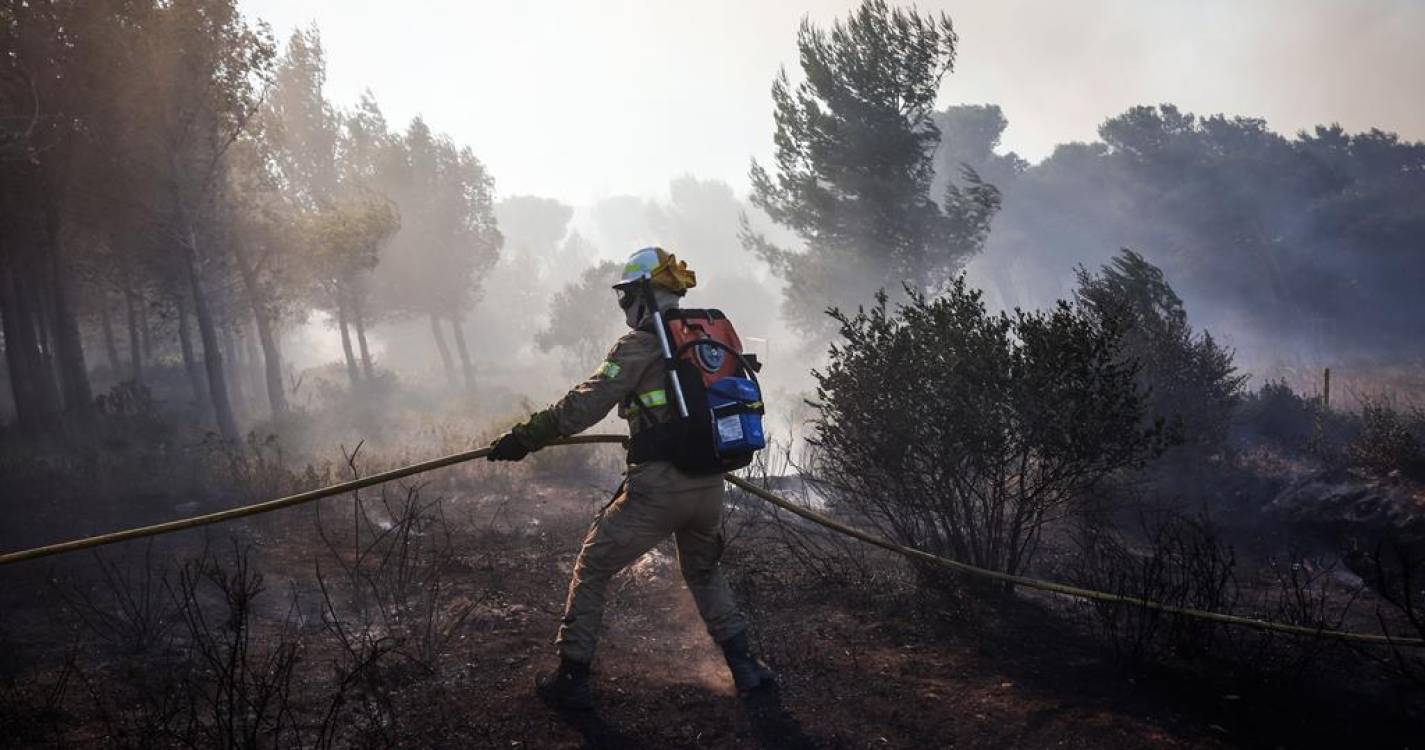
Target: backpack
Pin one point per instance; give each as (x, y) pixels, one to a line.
(723, 429)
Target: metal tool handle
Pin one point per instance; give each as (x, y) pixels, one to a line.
(662, 333)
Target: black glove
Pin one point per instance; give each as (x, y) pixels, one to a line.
(507, 448)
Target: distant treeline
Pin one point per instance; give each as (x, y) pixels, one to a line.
(1311, 245)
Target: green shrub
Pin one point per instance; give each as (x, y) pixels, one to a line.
(1390, 439)
(962, 433)
(1188, 378)
(1277, 413)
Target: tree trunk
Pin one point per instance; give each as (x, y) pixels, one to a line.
(131, 312)
(37, 304)
(36, 405)
(212, 352)
(106, 326)
(341, 323)
(40, 309)
(190, 360)
(145, 329)
(466, 367)
(21, 386)
(233, 372)
(444, 351)
(20, 390)
(249, 356)
(69, 350)
(262, 315)
(359, 319)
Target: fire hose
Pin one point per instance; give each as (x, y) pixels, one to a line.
(742, 484)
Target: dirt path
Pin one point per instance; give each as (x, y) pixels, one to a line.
(849, 678)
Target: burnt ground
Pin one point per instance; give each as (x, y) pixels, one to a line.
(879, 668)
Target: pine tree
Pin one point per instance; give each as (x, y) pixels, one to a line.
(855, 144)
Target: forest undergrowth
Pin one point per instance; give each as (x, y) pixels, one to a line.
(369, 620)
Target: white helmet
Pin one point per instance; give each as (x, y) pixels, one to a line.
(659, 265)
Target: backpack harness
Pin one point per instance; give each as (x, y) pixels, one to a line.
(718, 424)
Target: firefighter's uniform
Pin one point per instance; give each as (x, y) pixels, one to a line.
(657, 500)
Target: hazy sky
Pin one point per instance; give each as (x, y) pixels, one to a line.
(580, 100)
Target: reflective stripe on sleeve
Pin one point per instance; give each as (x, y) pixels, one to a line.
(654, 398)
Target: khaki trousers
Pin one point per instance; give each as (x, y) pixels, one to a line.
(658, 500)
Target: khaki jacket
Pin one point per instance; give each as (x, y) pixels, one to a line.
(632, 377)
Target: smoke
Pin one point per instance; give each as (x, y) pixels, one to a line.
(1059, 68)
(601, 119)
(580, 102)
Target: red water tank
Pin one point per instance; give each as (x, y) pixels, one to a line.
(690, 325)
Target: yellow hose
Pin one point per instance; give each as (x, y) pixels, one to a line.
(810, 515)
(277, 504)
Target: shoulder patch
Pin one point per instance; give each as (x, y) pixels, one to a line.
(609, 369)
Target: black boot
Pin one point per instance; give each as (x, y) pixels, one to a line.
(566, 686)
(748, 672)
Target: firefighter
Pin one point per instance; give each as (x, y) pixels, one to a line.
(656, 500)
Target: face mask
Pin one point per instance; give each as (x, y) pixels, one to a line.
(635, 309)
(634, 314)
(629, 300)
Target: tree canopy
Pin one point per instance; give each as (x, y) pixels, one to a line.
(166, 169)
(854, 164)
(1296, 244)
